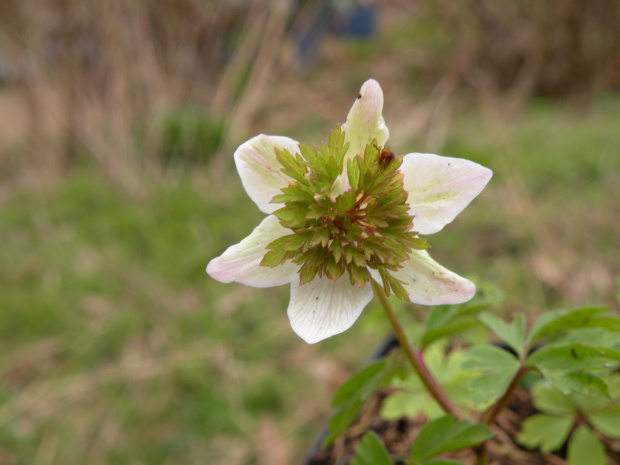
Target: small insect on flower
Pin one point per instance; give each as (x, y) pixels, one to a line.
(386, 156)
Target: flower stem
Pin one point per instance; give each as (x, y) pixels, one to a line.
(415, 357)
(491, 414)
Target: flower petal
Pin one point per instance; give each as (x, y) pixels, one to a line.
(429, 283)
(241, 262)
(440, 188)
(321, 308)
(260, 171)
(365, 121)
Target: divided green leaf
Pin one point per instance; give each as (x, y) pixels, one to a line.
(548, 432)
(273, 258)
(498, 367)
(359, 382)
(411, 404)
(412, 398)
(371, 451)
(549, 399)
(601, 336)
(511, 333)
(445, 434)
(575, 367)
(607, 420)
(291, 166)
(558, 321)
(350, 397)
(353, 173)
(585, 447)
(445, 320)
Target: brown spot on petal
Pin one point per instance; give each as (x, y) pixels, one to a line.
(359, 95)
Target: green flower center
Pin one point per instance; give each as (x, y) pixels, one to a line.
(336, 230)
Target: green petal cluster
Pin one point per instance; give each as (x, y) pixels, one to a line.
(337, 230)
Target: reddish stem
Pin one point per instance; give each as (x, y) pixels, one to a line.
(491, 414)
(415, 357)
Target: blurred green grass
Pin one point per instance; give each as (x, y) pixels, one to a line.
(118, 348)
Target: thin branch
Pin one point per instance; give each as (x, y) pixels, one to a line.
(491, 414)
(415, 357)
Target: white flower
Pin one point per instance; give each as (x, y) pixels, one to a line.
(438, 188)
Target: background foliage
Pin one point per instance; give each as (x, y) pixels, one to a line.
(118, 123)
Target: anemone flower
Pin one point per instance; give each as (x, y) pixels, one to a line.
(345, 213)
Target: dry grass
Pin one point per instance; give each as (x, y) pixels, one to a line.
(116, 347)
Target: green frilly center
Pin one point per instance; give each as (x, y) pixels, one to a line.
(336, 230)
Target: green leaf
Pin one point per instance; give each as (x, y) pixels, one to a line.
(549, 399)
(348, 254)
(410, 404)
(342, 419)
(345, 202)
(443, 462)
(445, 320)
(279, 243)
(454, 327)
(598, 401)
(353, 173)
(357, 383)
(334, 270)
(333, 168)
(545, 431)
(609, 322)
(602, 336)
(290, 166)
(584, 383)
(412, 397)
(418, 243)
(292, 215)
(273, 258)
(352, 394)
(570, 367)
(585, 448)
(337, 250)
(445, 434)
(307, 272)
(385, 279)
(315, 212)
(573, 356)
(371, 451)
(511, 333)
(607, 420)
(295, 242)
(336, 139)
(358, 275)
(561, 320)
(490, 358)
(498, 367)
(293, 192)
(397, 289)
(309, 155)
(321, 236)
(575, 367)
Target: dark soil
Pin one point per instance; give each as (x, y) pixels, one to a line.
(398, 437)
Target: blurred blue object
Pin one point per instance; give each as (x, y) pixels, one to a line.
(360, 21)
(309, 35)
(354, 19)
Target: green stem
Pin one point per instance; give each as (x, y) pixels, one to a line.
(415, 356)
(491, 414)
